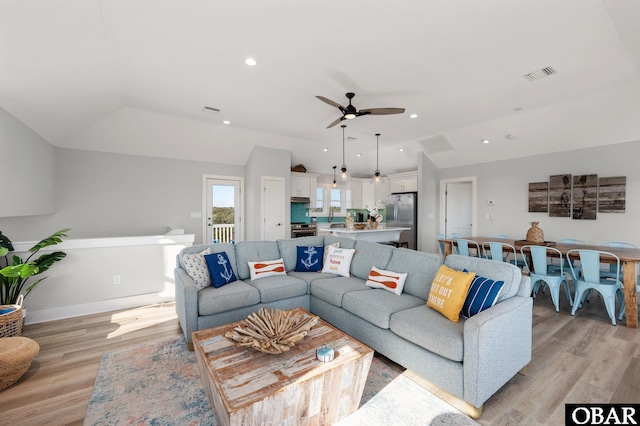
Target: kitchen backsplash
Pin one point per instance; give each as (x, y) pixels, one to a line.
(299, 214)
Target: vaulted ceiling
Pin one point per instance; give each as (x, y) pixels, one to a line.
(133, 77)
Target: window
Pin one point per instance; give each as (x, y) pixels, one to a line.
(328, 197)
(318, 201)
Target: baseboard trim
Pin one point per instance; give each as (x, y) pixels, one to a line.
(63, 312)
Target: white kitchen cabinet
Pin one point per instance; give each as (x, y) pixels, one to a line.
(368, 194)
(354, 194)
(404, 182)
(303, 184)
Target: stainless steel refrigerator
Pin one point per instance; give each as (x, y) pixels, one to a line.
(402, 211)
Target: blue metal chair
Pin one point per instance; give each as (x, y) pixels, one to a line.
(463, 247)
(440, 243)
(590, 279)
(501, 236)
(497, 250)
(611, 273)
(553, 267)
(539, 272)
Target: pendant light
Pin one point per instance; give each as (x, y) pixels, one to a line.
(334, 175)
(344, 174)
(377, 176)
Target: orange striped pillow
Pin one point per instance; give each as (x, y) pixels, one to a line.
(388, 280)
(266, 268)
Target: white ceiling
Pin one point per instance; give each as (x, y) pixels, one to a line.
(133, 76)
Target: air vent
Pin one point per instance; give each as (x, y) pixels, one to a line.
(537, 75)
(210, 109)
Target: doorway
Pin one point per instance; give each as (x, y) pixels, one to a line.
(273, 208)
(458, 206)
(223, 209)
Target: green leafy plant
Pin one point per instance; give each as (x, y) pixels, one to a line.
(15, 272)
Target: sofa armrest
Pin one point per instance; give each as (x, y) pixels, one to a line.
(497, 344)
(186, 302)
(525, 287)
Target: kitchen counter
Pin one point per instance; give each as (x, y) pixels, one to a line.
(375, 235)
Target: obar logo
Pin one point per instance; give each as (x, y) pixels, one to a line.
(601, 414)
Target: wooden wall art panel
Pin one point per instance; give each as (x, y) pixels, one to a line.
(585, 197)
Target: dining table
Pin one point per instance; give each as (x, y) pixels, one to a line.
(629, 258)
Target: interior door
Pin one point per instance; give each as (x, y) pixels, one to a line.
(273, 209)
(459, 209)
(223, 210)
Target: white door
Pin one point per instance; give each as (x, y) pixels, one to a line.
(223, 209)
(273, 208)
(459, 205)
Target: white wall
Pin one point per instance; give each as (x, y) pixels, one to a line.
(428, 190)
(111, 195)
(264, 162)
(26, 170)
(507, 182)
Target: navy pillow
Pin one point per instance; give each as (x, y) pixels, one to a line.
(309, 259)
(483, 293)
(220, 269)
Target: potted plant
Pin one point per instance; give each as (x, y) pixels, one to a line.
(15, 272)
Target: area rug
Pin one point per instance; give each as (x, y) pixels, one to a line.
(159, 384)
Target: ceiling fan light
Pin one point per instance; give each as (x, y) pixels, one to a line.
(350, 116)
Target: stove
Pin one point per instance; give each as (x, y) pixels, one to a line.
(301, 229)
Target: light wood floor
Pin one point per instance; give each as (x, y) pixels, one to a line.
(575, 359)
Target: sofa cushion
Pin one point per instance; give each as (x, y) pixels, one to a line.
(420, 267)
(449, 291)
(220, 269)
(331, 290)
(376, 306)
(279, 287)
(237, 294)
(338, 261)
(253, 251)
(369, 254)
(428, 329)
(344, 242)
(309, 258)
(499, 271)
(386, 280)
(310, 277)
(288, 251)
(266, 268)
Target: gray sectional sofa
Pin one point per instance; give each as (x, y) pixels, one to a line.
(471, 359)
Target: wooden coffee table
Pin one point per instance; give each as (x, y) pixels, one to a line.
(247, 387)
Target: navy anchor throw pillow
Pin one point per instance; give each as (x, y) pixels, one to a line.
(309, 259)
(220, 269)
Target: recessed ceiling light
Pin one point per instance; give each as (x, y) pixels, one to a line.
(413, 116)
(226, 122)
(510, 136)
(485, 141)
(401, 149)
(517, 109)
(326, 149)
(359, 155)
(250, 61)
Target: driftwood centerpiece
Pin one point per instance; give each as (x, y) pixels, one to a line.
(271, 330)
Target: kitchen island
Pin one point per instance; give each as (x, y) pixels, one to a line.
(378, 235)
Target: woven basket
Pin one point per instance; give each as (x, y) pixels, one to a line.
(16, 355)
(11, 323)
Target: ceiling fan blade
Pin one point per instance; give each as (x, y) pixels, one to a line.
(335, 122)
(330, 102)
(382, 111)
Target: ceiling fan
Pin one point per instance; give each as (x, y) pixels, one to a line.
(349, 112)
